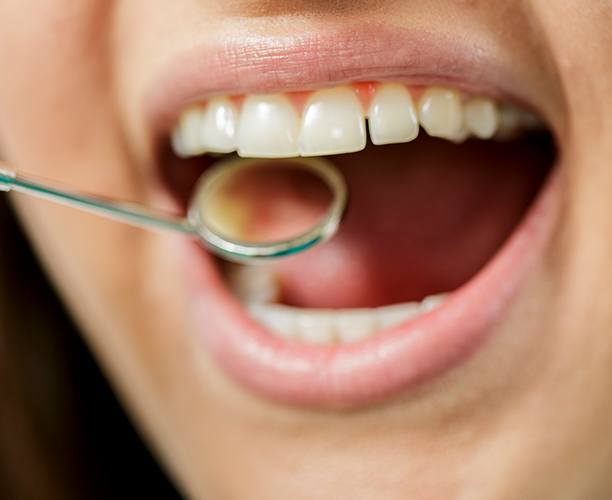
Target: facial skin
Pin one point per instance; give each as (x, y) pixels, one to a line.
(527, 421)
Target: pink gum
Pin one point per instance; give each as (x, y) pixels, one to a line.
(365, 92)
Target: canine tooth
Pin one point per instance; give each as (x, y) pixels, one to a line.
(482, 117)
(355, 325)
(392, 316)
(253, 284)
(269, 128)
(441, 113)
(218, 127)
(333, 123)
(316, 327)
(189, 132)
(279, 319)
(392, 116)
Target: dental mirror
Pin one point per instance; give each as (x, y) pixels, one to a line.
(242, 210)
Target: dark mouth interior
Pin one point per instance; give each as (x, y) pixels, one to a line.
(424, 218)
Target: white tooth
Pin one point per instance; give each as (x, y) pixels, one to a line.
(431, 303)
(269, 128)
(316, 327)
(253, 284)
(392, 316)
(392, 116)
(279, 319)
(482, 117)
(461, 136)
(218, 127)
(333, 123)
(189, 132)
(355, 325)
(177, 144)
(441, 113)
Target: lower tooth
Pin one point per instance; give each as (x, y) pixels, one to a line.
(279, 319)
(392, 316)
(258, 288)
(328, 326)
(355, 325)
(317, 328)
(432, 303)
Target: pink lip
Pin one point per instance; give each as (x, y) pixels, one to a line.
(386, 364)
(394, 361)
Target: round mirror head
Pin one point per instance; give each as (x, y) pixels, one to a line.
(248, 210)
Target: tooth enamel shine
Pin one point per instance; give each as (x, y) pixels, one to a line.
(441, 113)
(392, 118)
(333, 123)
(269, 128)
(218, 128)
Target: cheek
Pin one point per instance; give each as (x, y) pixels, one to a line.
(53, 68)
(57, 121)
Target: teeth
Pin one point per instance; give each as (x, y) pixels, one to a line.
(278, 319)
(218, 128)
(441, 113)
(329, 326)
(391, 316)
(355, 325)
(392, 117)
(482, 117)
(188, 137)
(316, 328)
(269, 128)
(333, 123)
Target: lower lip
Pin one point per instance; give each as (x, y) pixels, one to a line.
(383, 366)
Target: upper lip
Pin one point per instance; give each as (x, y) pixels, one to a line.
(265, 64)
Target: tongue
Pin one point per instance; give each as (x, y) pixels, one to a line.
(423, 219)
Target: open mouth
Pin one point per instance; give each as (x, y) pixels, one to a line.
(448, 191)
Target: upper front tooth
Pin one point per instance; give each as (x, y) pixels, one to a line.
(269, 127)
(392, 116)
(218, 127)
(333, 123)
(482, 117)
(441, 113)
